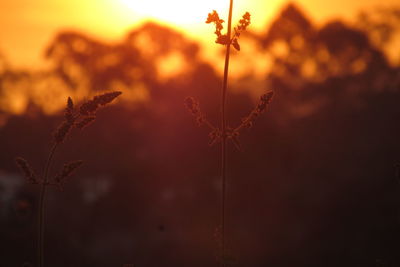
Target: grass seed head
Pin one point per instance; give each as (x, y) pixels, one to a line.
(91, 106)
(214, 18)
(242, 26)
(67, 170)
(106, 98)
(26, 170)
(192, 105)
(69, 111)
(62, 131)
(85, 122)
(265, 99)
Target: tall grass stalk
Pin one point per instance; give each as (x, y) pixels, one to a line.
(42, 202)
(73, 118)
(225, 133)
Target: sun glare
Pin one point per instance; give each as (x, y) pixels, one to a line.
(176, 11)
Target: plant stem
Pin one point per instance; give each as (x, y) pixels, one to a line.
(42, 202)
(224, 133)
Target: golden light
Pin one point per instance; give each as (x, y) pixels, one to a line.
(176, 11)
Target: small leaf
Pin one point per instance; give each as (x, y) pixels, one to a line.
(236, 44)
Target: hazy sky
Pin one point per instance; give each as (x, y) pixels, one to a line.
(28, 25)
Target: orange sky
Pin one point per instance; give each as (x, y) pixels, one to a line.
(28, 25)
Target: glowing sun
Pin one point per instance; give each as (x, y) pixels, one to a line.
(176, 11)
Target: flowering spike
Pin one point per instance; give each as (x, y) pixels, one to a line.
(247, 122)
(106, 98)
(69, 111)
(62, 131)
(91, 106)
(26, 170)
(214, 18)
(85, 122)
(265, 99)
(88, 107)
(67, 170)
(242, 26)
(194, 107)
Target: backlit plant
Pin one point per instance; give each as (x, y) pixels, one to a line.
(225, 132)
(73, 118)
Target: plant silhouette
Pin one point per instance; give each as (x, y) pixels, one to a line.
(325, 186)
(225, 132)
(73, 118)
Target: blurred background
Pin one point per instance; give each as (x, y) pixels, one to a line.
(315, 185)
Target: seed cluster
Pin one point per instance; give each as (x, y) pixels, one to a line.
(248, 121)
(85, 116)
(72, 118)
(194, 107)
(67, 170)
(232, 134)
(91, 106)
(27, 170)
(223, 39)
(216, 134)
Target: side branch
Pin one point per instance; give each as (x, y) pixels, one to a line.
(248, 121)
(194, 107)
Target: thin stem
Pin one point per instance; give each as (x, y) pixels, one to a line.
(224, 134)
(42, 202)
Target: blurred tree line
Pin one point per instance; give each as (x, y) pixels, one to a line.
(315, 185)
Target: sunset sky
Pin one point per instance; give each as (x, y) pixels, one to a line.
(195, 163)
(28, 26)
